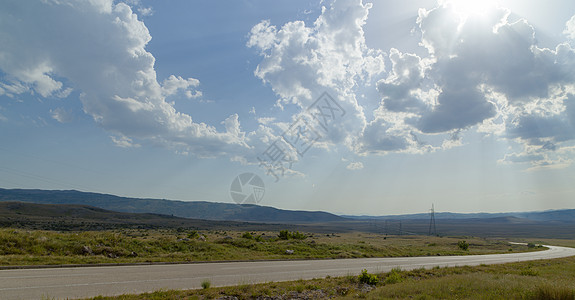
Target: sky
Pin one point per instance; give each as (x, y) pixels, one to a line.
(347, 106)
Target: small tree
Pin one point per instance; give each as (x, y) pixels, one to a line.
(296, 235)
(463, 245)
(283, 235)
(368, 278)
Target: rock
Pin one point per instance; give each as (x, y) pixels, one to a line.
(366, 288)
(202, 238)
(342, 290)
(289, 251)
(87, 250)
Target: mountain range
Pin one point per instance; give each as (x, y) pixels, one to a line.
(255, 213)
(184, 209)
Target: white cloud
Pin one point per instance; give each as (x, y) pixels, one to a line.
(301, 62)
(173, 84)
(570, 28)
(13, 88)
(266, 120)
(62, 115)
(124, 142)
(482, 72)
(355, 166)
(98, 48)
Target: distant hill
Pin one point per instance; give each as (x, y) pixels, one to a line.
(66, 217)
(185, 209)
(563, 215)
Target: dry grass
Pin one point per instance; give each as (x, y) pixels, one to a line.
(34, 247)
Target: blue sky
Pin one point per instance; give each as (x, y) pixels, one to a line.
(469, 105)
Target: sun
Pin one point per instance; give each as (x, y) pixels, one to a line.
(473, 7)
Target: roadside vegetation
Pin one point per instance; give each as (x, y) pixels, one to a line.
(543, 279)
(37, 247)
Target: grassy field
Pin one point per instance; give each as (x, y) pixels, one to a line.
(543, 279)
(37, 247)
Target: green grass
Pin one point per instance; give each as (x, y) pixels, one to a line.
(552, 279)
(35, 247)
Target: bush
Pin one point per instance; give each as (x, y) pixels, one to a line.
(394, 276)
(368, 278)
(529, 272)
(283, 235)
(247, 235)
(193, 234)
(296, 235)
(530, 245)
(206, 284)
(463, 245)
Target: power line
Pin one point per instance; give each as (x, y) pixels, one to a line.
(432, 229)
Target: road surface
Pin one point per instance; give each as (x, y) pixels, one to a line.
(115, 280)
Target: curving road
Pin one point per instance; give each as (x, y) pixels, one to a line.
(93, 281)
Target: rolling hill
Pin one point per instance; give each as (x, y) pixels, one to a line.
(74, 210)
(185, 209)
(72, 217)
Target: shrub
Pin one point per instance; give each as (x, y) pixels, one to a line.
(247, 235)
(529, 272)
(283, 235)
(530, 245)
(206, 284)
(394, 276)
(296, 235)
(463, 245)
(368, 278)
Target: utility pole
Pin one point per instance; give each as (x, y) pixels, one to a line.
(385, 227)
(432, 229)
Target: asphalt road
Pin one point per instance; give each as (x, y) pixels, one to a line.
(93, 281)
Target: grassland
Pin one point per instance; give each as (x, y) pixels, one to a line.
(544, 279)
(38, 247)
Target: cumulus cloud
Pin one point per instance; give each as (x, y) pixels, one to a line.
(173, 84)
(483, 72)
(99, 48)
(570, 28)
(301, 62)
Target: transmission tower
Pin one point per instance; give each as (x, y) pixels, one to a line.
(432, 229)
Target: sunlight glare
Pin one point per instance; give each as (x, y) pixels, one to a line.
(470, 7)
